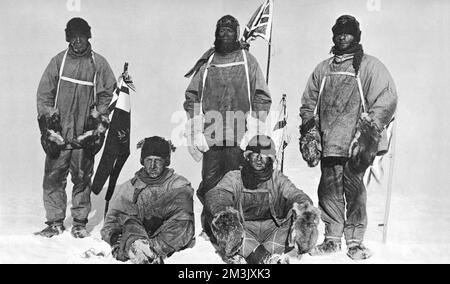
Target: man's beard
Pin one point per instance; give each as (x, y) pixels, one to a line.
(225, 47)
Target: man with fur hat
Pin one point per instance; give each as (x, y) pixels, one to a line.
(72, 100)
(258, 214)
(227, 85)
(151, 216)
(349, 100)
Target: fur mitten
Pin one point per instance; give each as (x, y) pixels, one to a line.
(229, 232)
(94, 136)
(364, 146)
(310, 142)
(141, 253)
(51, 139)
(304, 233)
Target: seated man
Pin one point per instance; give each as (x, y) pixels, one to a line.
(258, 213)
(151, 216)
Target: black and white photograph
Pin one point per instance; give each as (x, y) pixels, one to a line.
(225, 132)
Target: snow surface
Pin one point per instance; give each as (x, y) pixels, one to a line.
(161, 46)
(418, 229)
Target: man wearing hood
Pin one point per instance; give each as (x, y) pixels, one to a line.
(348, 101)
(257, 213)
(72, 100)
(151, 216)
(227, 85)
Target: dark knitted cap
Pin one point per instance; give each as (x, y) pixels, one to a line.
(228, 21)
(77, 25)
(262, 144)
(347, 24)
(156, 146)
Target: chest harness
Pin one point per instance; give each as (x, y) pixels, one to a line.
(225, 65)
(358, 80)
(76, 81)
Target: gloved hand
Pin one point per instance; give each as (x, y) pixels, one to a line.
(363, 149)
(115, 245)
(97, 122)
(254, 127)
(304, 234)
(141, 253)
(310, 142)
(197, 144)
(92, 139)
(229, 232)
(51, 140)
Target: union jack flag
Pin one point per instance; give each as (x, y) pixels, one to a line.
(260, 24)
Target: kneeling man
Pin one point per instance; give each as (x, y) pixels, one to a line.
(151, 216)
(258, 213)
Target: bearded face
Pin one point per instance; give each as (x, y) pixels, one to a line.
(226, 40)
(343, 41)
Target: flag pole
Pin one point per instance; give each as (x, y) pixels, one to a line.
(284, 117)
(268, 57)
(389, 185)
(269, 49)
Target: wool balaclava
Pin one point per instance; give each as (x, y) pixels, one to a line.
(77, 25)
(349, 25)
(230, 22)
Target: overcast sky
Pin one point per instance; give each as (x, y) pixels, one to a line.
(162, 39)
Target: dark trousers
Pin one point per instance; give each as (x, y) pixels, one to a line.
(342, 200)
(80, 167)
(218, 161)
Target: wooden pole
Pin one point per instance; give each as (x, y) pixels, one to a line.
(269, 50)
(268, 58)
(389, 185)
(284, 117)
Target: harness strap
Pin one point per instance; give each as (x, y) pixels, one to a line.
(75, 81)
(363, 101)
(358, 80)
(59, 77)
(322, 85)
(86, 83)
(248, 78)
(245, 63)
(227, 64)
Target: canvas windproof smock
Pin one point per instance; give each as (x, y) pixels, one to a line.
(265, 211)
(342, 194)
(76, 89)
(230, 83)
(160, 212)
(340, 100)
(68, 84)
